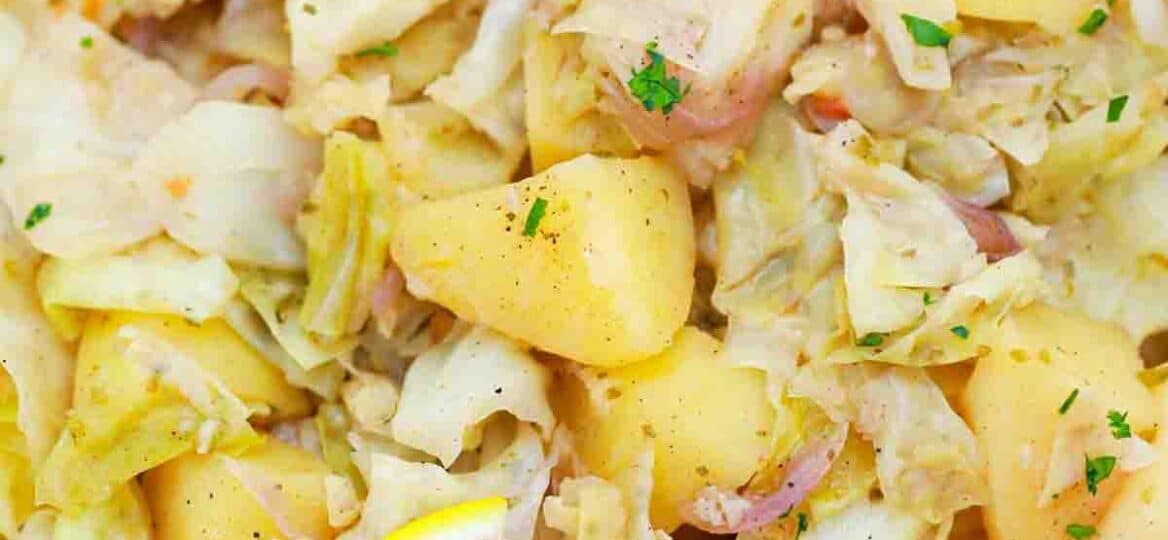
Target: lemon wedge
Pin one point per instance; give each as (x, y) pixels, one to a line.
(474, 520)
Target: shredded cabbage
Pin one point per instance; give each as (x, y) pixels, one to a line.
(237, 195)
(592, 508)
(159, 277)
(401, 490)
(277, 298)
(965, 165)
(346, 228)
(928, 462)
(919, 66)
(436, 152)
(871, 520)
(453, 387)
(479, 86)
(74, 122)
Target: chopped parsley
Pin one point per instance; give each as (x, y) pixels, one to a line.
(653, 86)
(926, 33)
(538, 209)
(871, 339)
(1080, 532)
(1098, 470)
(1115, 108)
(309, 9)
(385, 50)
(929, 300)
(1093, 22)
(802, 525)
(1066, 406)
(960, 331)
(86, 42)
(1120, 429)
(39, 213)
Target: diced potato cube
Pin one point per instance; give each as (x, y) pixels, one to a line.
(605, 277)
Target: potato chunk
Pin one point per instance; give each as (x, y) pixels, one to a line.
(604, 277)
(1140, 509)
(271, 491)
(1013, 401)
(707, 421)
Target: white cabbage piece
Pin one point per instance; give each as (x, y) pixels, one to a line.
(254, 30)
(592, 508)
(1150, 18)
(159, 277)
(1080, 433)
(346, 226)
(277, 297)
(336, 100)
(919, 66)
(967, 166)
(12, 44)
(1109, 265)
(228, 179)
(872, 521)
(928, 462)
(38, 365)
(321, 34)
(76, 117)
(436, 152)
(452, 388)
(977, 304)
(401, 490)
(371, 400)
(1003, 103)
(344, 507)
(899, 235)
(485, 84)
(1090, 151)
(323, 380)
(765, 199)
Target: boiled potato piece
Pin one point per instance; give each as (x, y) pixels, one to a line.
(562, 121)
(707, 422)
(1013, 400)
(1062, 16)
(271, 491)
(128, 417)
(605, 278)
(1141, 508)
(225, 355)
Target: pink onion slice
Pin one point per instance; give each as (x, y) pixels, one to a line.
(991, 233)
(805, 469)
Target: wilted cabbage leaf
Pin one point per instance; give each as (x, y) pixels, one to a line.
(346, 227)
(453, 387)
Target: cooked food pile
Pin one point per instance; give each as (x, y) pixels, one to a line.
(584, 269)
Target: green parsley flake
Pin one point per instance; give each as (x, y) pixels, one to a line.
(926, 33)
(1066, 406)
(1115, 108)
(309, 9)
(1093, 22)
(871, 339)
(1080, 532)
(538, 209)
(802, 525)
(653, 86)
(1098, 470)
(960, 331)
(929, 299)
(1120, 429)
(39, 213)
(86, 42)
(385, 50)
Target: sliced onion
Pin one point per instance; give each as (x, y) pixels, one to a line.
(738, 513)
(988, 229)
(234, 83)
